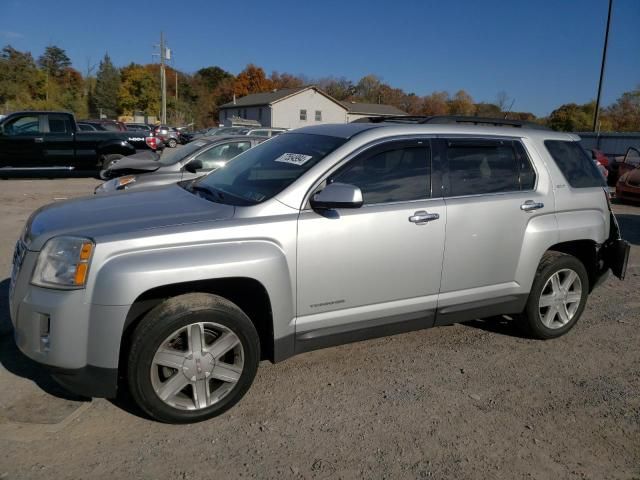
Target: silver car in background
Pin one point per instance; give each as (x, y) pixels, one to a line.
(186, 163)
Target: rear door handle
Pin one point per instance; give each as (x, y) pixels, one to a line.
(421, 217)
(530, 205)
(38, 140)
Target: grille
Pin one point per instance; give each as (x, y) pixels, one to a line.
(18, 258)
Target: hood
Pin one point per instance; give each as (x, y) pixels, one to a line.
(146, 161)
(121, 213)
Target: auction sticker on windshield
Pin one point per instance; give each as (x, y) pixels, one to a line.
(293, 158)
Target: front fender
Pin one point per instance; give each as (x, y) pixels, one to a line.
(123, 277)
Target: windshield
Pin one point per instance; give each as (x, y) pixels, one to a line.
(264, 171)
(174, 155)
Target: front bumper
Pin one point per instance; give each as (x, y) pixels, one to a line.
(77, 341)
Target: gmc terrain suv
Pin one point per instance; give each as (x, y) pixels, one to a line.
(321, 236)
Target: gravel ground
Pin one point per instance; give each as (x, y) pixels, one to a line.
(467, 401)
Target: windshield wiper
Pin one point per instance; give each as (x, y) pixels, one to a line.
(210, 193)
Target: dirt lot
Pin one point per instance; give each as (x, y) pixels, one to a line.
(467, 401)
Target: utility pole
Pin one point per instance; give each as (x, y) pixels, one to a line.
(596, 114)
(163, 81)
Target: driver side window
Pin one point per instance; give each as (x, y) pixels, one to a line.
(217, 156)
(388, 174)
(28, 125)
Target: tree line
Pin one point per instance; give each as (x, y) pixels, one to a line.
(50, 82)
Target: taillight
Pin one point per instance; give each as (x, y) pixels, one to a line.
(152, 142)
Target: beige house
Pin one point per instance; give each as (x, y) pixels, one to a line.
(298, 107)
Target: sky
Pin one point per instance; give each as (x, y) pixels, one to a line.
(543, 53)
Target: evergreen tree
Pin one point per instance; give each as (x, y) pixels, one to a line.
(54, 60)
(104, 98)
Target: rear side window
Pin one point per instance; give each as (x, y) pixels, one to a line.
(578, 169)
(59, 124)
(479, 167)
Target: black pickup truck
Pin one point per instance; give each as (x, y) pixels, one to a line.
(50, 141)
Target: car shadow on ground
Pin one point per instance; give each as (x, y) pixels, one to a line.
(630, 226)
(16, 362)
(500, 324)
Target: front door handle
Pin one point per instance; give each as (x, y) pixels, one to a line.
(38, 140)
(530, 205)
(421, 217)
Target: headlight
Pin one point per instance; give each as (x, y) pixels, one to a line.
(122, 182)
(63, 263)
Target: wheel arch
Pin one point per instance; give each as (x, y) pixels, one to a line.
(248, 294)
(586, 251)
(114, 146)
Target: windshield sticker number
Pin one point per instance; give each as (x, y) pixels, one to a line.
(293, 158)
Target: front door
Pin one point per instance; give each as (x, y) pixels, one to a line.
(21, 142)
(375, 268)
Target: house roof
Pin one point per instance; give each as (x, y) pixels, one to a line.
(269, 98)
(372, 109)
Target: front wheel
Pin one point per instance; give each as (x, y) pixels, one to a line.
(558, 296)
(192, 358)
(172, 143)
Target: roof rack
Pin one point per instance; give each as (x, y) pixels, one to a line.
(453, 119)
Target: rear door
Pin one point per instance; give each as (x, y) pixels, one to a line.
(21, 142)
(59, 142)
(491, 195)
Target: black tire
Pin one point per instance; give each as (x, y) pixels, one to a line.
(552, 262)
(172, 143)
(107, 162)
(159, 324)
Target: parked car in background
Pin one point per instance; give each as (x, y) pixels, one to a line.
(168, 135)
(106, 125)
(628, 184)
(86, 127)
(191, 161)
(600, 160)
(51, 141)
(598, 156)
(265, 132)
(135, 127)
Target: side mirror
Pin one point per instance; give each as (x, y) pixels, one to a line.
(337, 195)
(193, 166)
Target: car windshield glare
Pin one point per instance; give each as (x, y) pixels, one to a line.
(264, 171)
(169, 157)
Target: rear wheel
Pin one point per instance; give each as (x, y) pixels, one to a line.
(192, 358)
(172, 143)
(108, 161)
(558, 296)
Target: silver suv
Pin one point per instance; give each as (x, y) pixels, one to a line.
(322, 236)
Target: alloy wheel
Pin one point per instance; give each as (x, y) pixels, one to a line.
(197, 365)
(560, 299)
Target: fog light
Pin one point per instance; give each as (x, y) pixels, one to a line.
(45, 330)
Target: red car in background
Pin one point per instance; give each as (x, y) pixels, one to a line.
(628, 184)
(599, 157)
